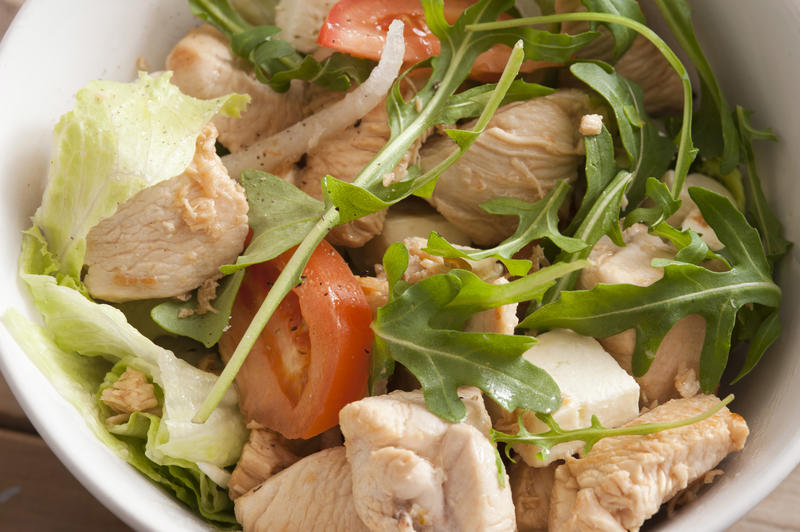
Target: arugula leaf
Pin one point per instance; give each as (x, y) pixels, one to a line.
(623, 36)
(205, 328)
(757, 207)
(685, 289)
(602, 219)
(714, 129)
(536, 220)
(665, 205)
(765, 335)
(601, 167)
(275, 61)
(471, 102)
(411, 330)
(649, 152)
(592, 434)
(280, 215)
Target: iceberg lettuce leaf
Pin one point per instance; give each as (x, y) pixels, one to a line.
(97, 330)
(78, 379)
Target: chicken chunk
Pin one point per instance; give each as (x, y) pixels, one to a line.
(171, 237)
(410, 468)
(314, 494)
(132, 392)
(526, 148)
(642, 63)
(625, 479)
(343, 157)
(531, 488)
(676, 365)
(264, 455)
(204, 67)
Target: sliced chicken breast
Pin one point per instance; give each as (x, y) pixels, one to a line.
(625, 479)
(314, 494)
(526, 148)
(172, 237)
(204, 67)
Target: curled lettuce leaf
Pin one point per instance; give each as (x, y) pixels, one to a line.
(91, 329)
(119, 139)
(79, 379)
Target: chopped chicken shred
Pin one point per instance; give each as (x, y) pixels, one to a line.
(130, 393)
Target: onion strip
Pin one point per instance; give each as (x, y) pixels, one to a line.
(289, 145)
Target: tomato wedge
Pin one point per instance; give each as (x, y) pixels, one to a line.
(358, 27)
(312, 358)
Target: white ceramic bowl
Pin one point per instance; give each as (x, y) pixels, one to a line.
(54, 47)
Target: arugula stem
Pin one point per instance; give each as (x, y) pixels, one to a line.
(594, 433)
(686, 151)
(288, 279)
(220, 17)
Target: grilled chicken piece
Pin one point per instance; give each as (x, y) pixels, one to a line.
(343, 157)
(171, 237)
(411, 469)
(204, 67)
(130, 393)
(531, 488)
(314, 494)
(524, 150)
(265, 454)
(642, 63)
(625, 479)
(674, 370)
(421, 265)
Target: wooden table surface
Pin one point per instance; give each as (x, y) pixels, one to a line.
(37, 493)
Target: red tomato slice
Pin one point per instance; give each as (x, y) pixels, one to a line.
(313, 356)
(358, 27)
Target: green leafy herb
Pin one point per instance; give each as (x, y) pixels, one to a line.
(623, 35)
(714, 130)
(601, 167)
(471, 102)
(757, 207)
(206, 328)
(280, 215)
(536, 220)
(685, 289)
(420, 329)
(649, 151)
(602, 219)
(592, 434)
(765, 335)
(275, 61)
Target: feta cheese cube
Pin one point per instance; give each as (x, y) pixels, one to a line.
(591, 383)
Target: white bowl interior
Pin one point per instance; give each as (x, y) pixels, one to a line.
(751, 45)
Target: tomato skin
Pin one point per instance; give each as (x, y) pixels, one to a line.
(312, 358)
(358, 27)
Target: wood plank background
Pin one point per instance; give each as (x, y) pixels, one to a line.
(37, 493)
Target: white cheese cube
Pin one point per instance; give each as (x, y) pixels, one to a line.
(591, 383)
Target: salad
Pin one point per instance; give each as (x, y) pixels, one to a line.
(185, 241)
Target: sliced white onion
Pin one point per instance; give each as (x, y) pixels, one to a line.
(289, 145)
